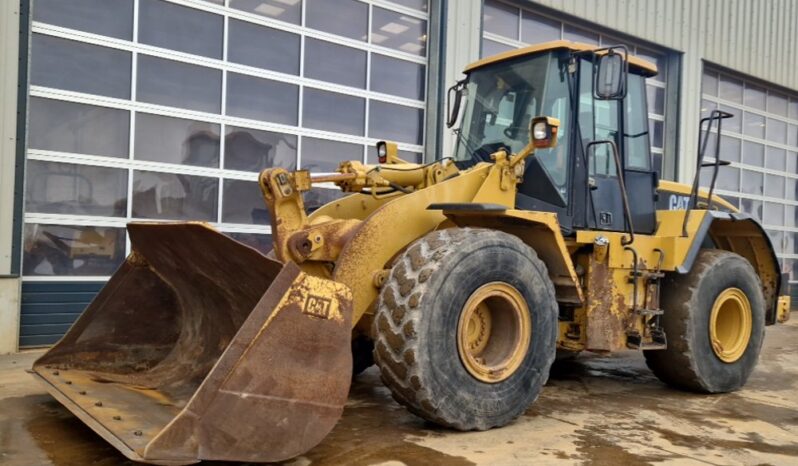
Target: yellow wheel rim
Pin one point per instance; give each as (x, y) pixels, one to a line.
(494, 332)
(730, 325)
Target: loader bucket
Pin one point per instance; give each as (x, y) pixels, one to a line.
(200, 347)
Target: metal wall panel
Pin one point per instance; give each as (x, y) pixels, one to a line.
(50, 308)
(755, 37)
(9, 73)
(12, 16)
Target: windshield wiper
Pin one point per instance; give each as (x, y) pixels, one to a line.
(469, 146)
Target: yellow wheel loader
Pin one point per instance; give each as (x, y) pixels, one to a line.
(546, 231)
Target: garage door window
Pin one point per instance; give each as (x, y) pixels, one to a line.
(168, 109)
(761, 142)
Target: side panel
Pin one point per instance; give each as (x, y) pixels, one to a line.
(396, 224)
(733, 232)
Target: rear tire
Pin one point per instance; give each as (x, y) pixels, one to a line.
(429, 354)
(726, 283)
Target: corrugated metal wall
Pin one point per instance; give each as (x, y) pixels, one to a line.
(755, 37)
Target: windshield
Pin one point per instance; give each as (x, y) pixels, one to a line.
(501, 99)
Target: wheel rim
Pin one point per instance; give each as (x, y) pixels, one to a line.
(494, 332)
(730, 325)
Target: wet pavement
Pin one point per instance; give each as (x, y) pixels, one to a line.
(595, 410)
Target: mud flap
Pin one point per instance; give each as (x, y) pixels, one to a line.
(201, 348)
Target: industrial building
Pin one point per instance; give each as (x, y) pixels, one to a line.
(120, 110)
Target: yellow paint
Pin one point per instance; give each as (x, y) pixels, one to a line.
(730, 325)
(703, 194)
(393, 226)
(494, 332)
(353, 206)
(668, 238)
(783, 309)
(285, 206)
(646, 67)
(541, 231)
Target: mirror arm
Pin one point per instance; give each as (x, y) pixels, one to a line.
(528, 150)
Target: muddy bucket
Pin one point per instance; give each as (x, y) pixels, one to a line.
(201, 348)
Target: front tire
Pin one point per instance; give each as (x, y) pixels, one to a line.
(714, 319)
(466, 328)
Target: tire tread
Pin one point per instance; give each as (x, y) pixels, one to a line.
(677, 365)
(398, 312)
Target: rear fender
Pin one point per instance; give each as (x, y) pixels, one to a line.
(743, 235)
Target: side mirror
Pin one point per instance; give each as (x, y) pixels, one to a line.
(543, 132)
(453, 99)
(610, 75)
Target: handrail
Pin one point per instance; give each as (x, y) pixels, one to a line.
(703, 140)
(635, 273)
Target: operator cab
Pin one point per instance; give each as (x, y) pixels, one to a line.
(600, 100)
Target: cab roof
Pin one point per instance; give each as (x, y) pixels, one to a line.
(639, 65)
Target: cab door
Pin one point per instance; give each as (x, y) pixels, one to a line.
(623, 122)
(640, 176)
(599, 121)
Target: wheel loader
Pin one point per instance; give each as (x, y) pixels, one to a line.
(546, 232)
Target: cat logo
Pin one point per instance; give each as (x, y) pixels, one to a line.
(317, 306)
(677, 202)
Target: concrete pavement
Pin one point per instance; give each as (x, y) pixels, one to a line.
(595, 411)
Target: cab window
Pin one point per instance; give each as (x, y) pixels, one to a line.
(598, 121)
(638, 150)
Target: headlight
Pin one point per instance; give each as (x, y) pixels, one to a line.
(387, 152)
(543, 132)
(540, 130)
(382, 152)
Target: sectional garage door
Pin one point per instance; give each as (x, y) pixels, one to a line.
(168, 109)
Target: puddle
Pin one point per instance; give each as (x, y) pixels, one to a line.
(36, 429)
(376, 430)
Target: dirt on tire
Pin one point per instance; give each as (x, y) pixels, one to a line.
(415, 327)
